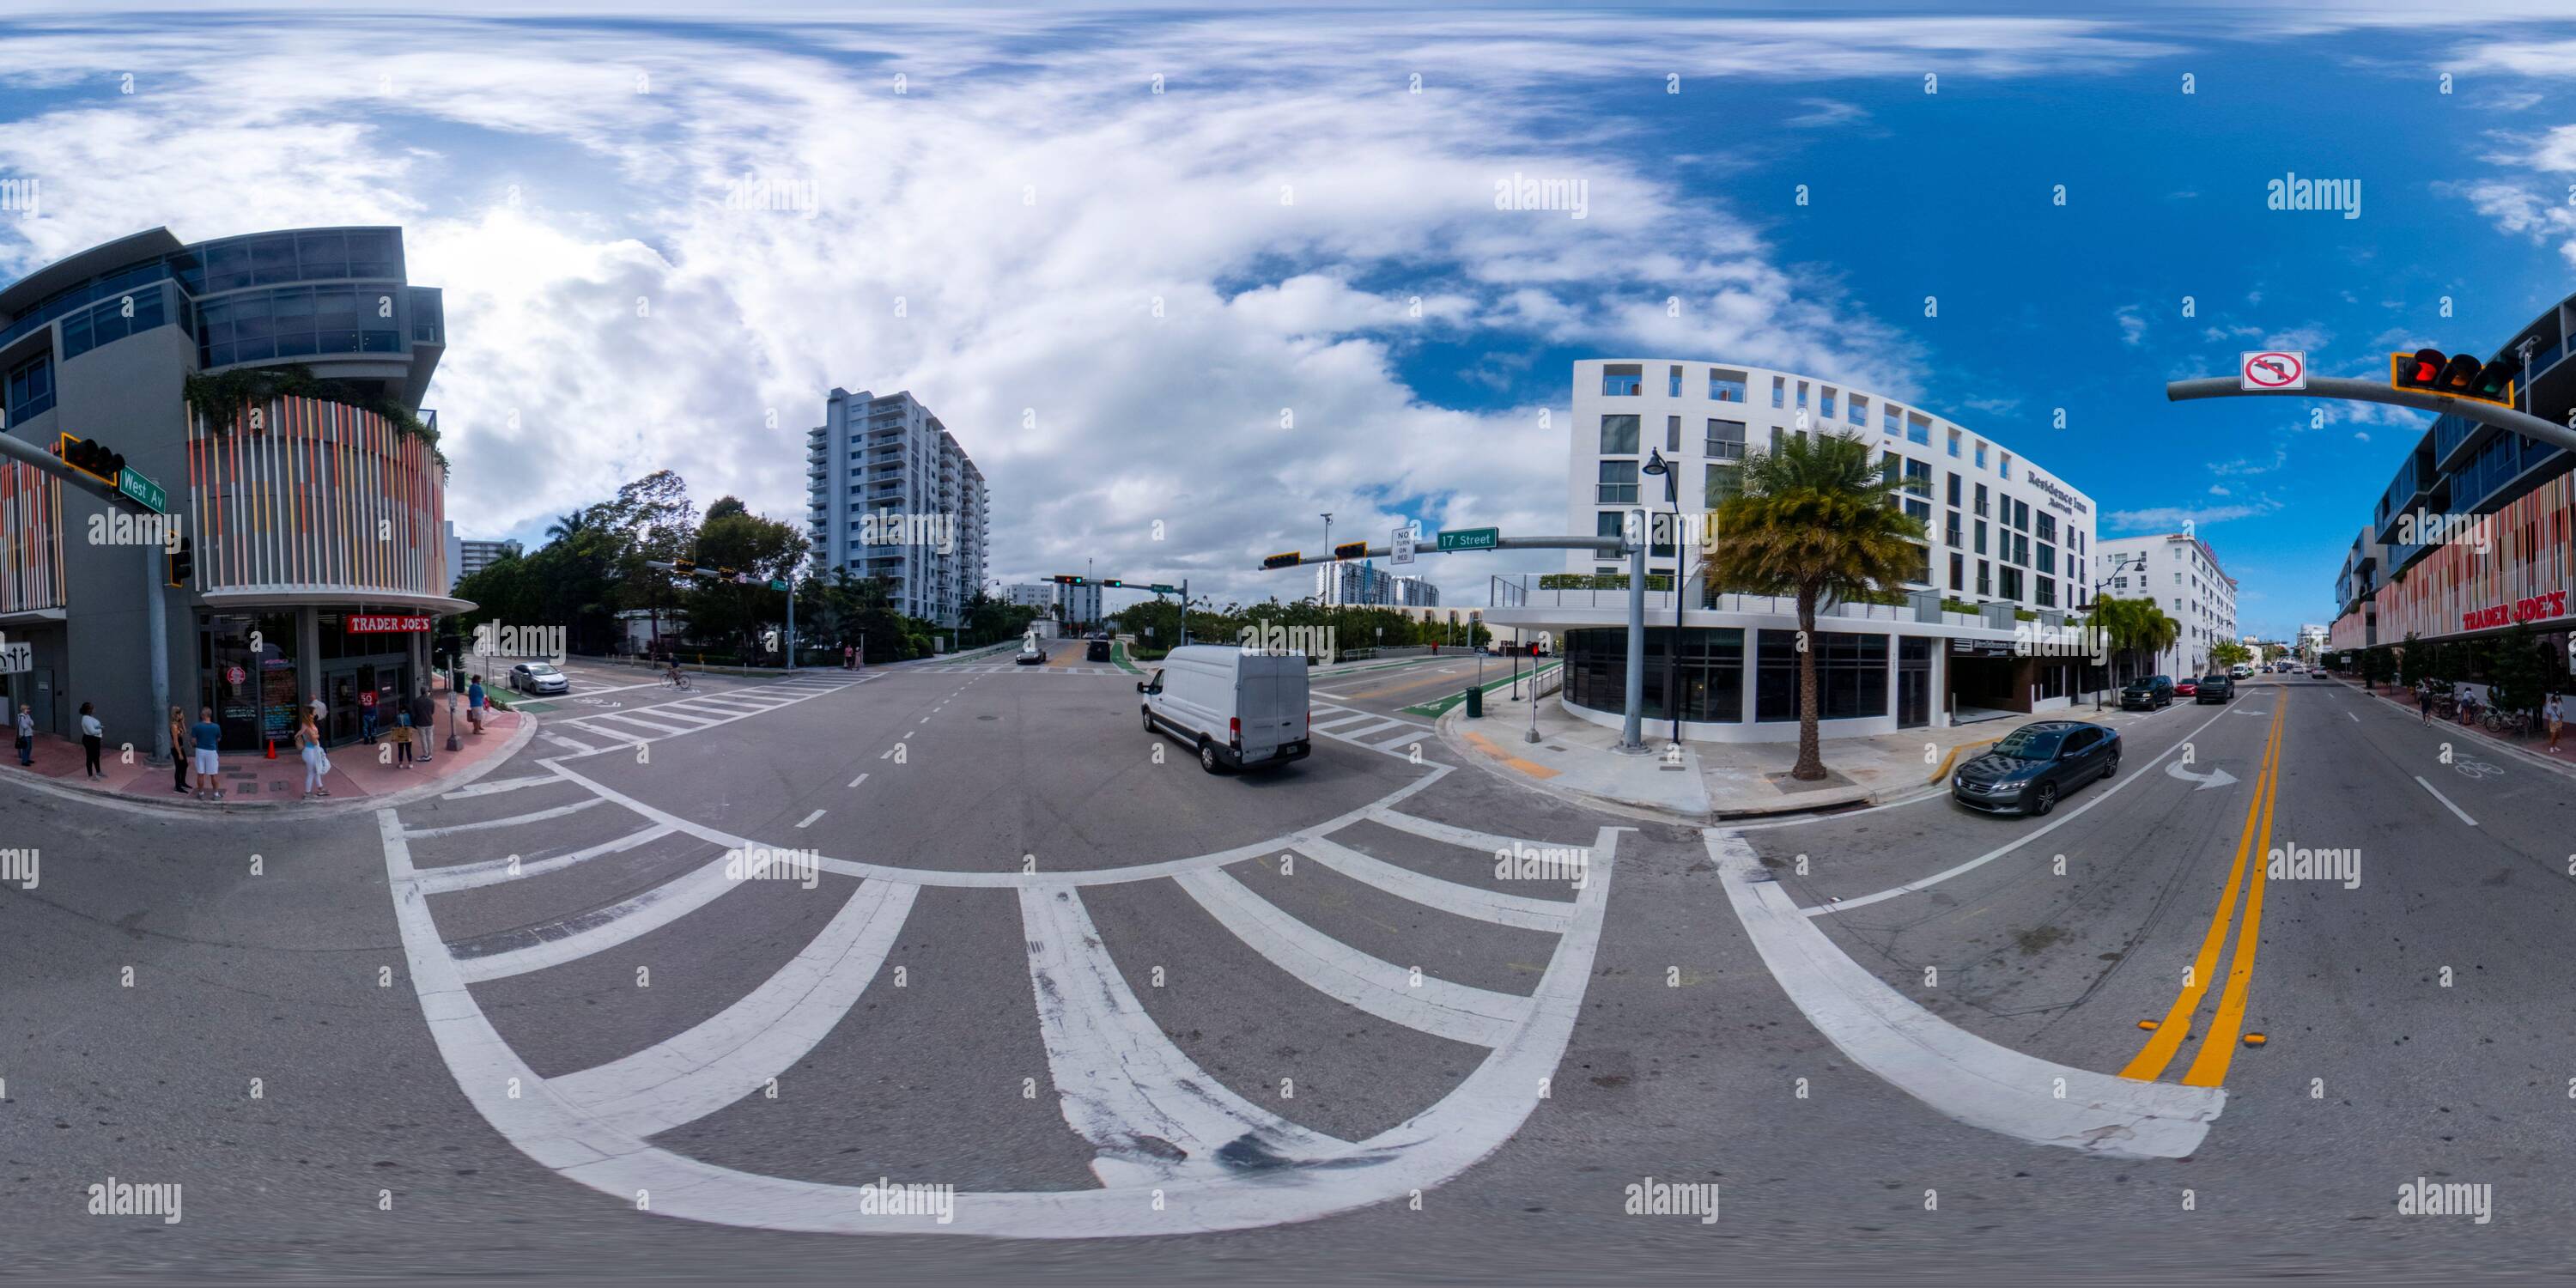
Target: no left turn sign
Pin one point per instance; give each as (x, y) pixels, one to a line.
(2273, 369)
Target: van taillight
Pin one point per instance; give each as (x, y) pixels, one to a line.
(1234, 732)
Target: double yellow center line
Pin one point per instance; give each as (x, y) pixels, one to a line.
(2209, 1067)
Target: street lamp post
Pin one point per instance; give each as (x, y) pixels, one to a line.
(2105, 580)
(1656, 466)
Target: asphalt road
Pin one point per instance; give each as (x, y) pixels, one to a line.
(673, 995)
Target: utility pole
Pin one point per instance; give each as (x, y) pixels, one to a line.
(156, 612)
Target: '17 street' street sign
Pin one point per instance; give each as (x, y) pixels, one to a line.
(1472, 539)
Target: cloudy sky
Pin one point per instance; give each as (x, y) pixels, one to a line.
(1179, 281)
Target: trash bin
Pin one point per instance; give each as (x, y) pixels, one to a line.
(1475, 704)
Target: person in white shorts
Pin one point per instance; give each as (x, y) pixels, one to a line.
(207, 735)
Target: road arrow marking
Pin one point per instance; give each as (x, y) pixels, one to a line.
(2214, 778)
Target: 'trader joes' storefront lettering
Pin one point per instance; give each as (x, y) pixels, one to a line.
(2539, 607)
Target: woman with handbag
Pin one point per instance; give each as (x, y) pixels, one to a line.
(308, 741)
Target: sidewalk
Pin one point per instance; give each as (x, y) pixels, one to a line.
(251, 780)
(1713, 781)
(2534, 744)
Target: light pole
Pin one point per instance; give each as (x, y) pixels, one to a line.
(1656, 466)
(1333, 584)
(2099, 583)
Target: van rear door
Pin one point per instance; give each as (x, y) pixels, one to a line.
(1271, 702)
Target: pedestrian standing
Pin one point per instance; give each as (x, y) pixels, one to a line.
(93, 736)
(402, 739)
(26, 734)
(206, 735)
(178, 750)
(2555, 715)
(308, 745)
(367, 716)
(424, 720)
(2424, 700)
(474, 703)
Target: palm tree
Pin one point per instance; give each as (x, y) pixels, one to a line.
(2135, 624)
(568, 525)
(1814, 518)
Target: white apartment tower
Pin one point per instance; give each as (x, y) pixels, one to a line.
(890, 494)
(2180, 572)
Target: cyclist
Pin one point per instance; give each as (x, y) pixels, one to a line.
(673, 677)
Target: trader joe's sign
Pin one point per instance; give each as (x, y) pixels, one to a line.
(386, 625)
(2541, 607)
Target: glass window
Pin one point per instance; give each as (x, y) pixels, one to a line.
(2047, 526)
(291, 313)
(1725, 440)
(2004, 464)
(2012, 583)
(31, 388)
(1825, 403)
(1851, 676)
(272, 260)
(1954, 442)
(1802, 393)
(1918, 430)
(1951, 532)
(1981, 456)
(1779, 385)
(2048, 558)
(1918, 478)
(322, 256)
(1673, 432)
(1981, 536)
(1618, 481)
(1622, 382)
(1673, 389)
(1958, 571)
(1618, 435)
(1859, 410)
(1609, 523)
(1725, 386)
(1985, 576)
(1887, 417)
(1709, 666)
(1954, 489)
(375, 252)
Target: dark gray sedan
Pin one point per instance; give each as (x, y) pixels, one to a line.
(2035, 766)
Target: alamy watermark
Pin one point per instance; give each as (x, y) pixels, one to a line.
(885, 1198)
(2421, 1197)
(2422, 527)
(121, 1198)
(890, 527)
(22, 197)
(2290, 192)
(126, 528)
(1651, 1197)
(1570, 864)
(497, 639)
(19, 866)
(1274, 640)
(760, 863)
(2293, 862)
(762, 192)
(1521, 192)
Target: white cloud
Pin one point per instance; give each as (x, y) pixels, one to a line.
(2133, 324)
(1823, 113)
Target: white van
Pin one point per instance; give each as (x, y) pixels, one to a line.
(1236, 708)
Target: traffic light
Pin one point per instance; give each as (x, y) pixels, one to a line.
(685, 567)
(183, 563)
(1112, 581)
(1351, 550)
(85, 455)
(2461, 375)
(1062, 579)
(1287, 559)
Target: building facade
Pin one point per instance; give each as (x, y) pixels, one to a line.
(473, 556)
(1359, 584)
(2001, 566)
(1077, 606)
(314, 512)
(2180, 572)
(2473, 536)
(1030, 594)
(890, 494)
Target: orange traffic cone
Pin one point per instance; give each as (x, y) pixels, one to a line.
(272, 749)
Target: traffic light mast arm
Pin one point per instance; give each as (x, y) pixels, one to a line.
(1607, 545)
(19, 449)
(2350, 389)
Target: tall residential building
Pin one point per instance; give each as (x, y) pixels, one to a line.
(2180, 572)
(315, 514)
(1359, 584)
(474, 556)
(1077, 604)
(890, 494)
(1030, 594)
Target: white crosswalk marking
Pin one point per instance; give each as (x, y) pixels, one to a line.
(1177, 1151)
(758, 1038)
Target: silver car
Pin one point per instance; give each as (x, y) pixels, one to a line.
(538, 677)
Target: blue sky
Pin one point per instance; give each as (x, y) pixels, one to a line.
(1112, 295)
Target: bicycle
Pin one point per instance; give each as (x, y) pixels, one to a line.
(2445, 707)
(677, 680)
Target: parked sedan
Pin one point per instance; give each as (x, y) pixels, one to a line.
(2214, 688)
(538, 677)
(2033, 767)
(2186, 687)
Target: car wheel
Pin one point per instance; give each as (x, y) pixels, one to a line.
(1149, 720)
(2043, 799)
(2113, 767)
(1207, 757)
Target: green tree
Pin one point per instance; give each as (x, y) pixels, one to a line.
(2378, 665)
(2414, 661)
(1817, 518)
(2228, 653)
(732, 614)
(2519, 672)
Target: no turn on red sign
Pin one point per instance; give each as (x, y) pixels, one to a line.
(2273, 369)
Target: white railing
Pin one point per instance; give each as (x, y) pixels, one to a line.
(1661, 601)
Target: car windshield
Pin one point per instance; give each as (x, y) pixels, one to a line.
(2213, 679)
(2030, 744)
(541, 668)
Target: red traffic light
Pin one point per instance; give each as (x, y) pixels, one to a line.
(2459, 375)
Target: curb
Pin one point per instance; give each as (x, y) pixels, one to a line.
(1451, 738)
(266, 811)
(2561, 768)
